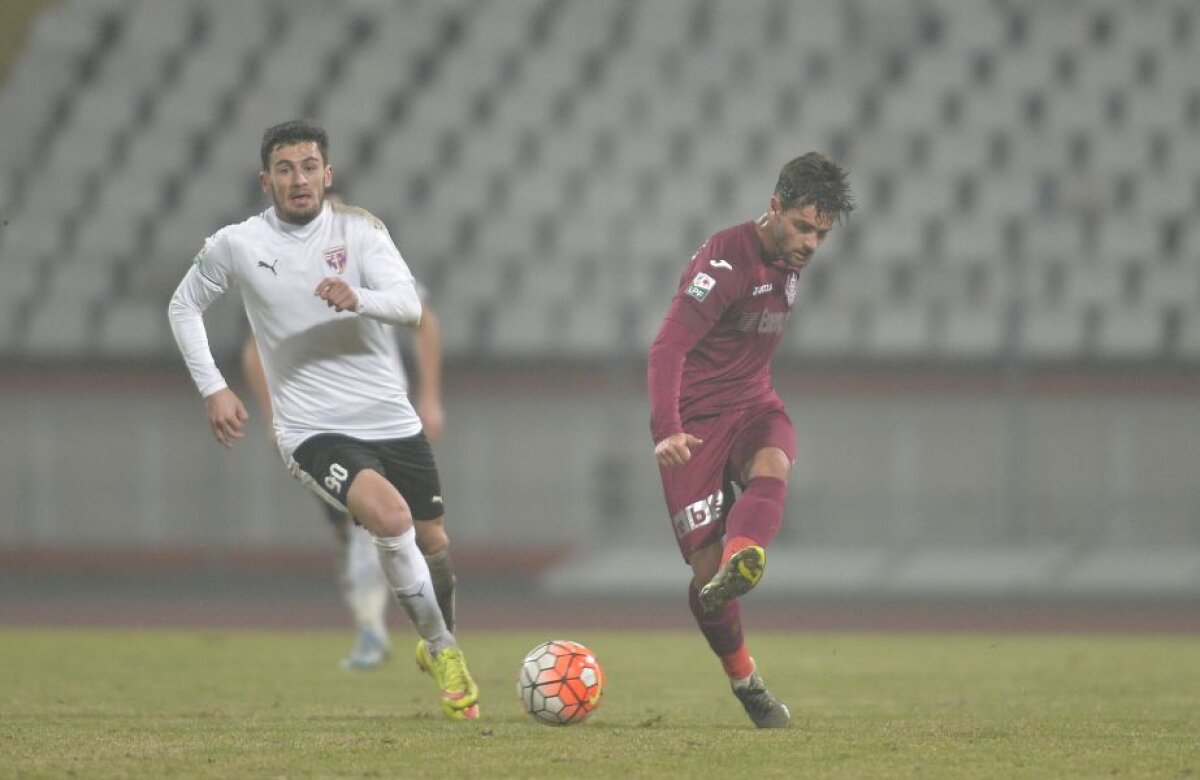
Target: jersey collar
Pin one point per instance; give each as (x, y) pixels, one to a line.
(301, 232)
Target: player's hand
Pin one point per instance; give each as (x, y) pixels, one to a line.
(433, 417)
(226, 416)
(338, 295)
(676, 449)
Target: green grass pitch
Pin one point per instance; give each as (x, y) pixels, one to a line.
(226, 704)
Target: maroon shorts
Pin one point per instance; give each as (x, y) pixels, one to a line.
(699, 492)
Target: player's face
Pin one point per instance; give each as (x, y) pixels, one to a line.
(296, 181)
(796, 233)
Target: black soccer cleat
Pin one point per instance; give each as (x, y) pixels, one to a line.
(767, 711)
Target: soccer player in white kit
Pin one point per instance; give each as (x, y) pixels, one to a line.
(361, 581)
(322, 284)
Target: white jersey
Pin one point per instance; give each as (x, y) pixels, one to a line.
(327, 371)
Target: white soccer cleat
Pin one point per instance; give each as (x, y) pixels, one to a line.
(369, 651)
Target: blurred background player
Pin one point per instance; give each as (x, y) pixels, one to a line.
(717, 422)
(321, 285)
(361, 581)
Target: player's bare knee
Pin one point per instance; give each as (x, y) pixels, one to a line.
(378, 506)
(769, 462)
(386, 522)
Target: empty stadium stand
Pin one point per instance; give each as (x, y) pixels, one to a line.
(1027, 171)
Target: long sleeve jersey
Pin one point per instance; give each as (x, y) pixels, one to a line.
(327, 371)
(714, 349)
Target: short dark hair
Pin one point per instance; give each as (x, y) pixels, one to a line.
(815, 180)
(294, 131)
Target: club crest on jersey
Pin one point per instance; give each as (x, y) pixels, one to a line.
(701, 286)
(336, 259)
(790, 290)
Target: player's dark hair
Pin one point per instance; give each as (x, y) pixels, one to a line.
(294, 131)
(815, 180)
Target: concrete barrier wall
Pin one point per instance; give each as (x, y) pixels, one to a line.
(549, 461)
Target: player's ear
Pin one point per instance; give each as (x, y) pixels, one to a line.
(264, 181)
(328, 176)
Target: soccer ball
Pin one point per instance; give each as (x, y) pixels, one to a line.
(560, 683)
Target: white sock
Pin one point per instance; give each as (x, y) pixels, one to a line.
(408, 575)
(363, 584)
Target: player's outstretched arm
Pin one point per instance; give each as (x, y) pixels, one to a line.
(226, 416)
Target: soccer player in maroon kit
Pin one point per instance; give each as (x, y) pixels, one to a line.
(717, 421)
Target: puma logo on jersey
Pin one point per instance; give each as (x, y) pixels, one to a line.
(271, 267)
(718, 263)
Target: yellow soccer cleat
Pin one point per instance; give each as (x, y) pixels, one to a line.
(737, 578)
(460, 695)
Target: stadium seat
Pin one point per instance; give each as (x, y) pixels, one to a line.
(19, 280)
(825, 331)
(135, 329)
(974, 332)
(1172, 284)
(899, 331)
(1130, 332)
(1189, 336)
(1052, 333)
(59, 328)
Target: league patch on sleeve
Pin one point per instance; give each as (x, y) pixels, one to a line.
(701, 286)
(203, 253)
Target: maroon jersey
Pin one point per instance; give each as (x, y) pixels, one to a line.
(714, 349)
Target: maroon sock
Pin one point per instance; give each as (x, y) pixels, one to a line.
(723, 629)
(758, 511)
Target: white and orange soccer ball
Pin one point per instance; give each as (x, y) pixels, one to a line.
(560, 683)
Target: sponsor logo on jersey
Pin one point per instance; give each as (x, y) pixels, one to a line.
(336, 259)
(701, 286)
(790, 292)
(772, 322)
(763, 322)
(761, 289)
(699, 514)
